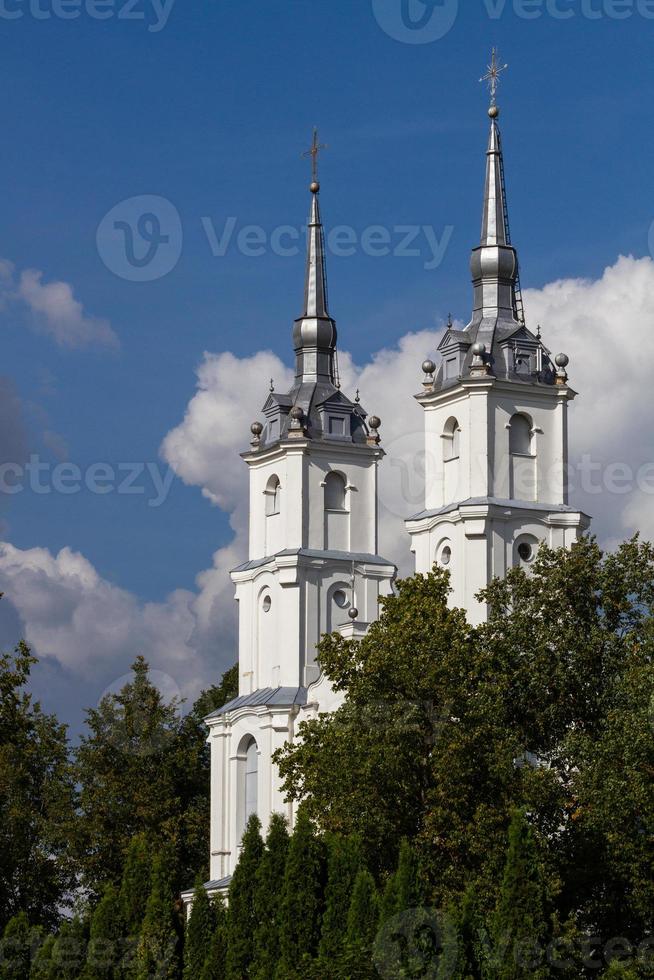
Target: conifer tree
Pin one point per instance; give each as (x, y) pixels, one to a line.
(267, 898)
(42, 966)
(215, 965)
(159, 943)
(135, 884)
(199, 932)
(241, 913)
(302, 900)
(15, 948)
(362, 926)
(106, 942)
(343, 864)
(69, 950)
(410, 893)
(519, 926)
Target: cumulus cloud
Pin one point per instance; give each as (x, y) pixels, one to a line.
(70, 613)
(53, 309)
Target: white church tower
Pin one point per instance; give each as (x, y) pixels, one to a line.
(313, 565)
(496, 423)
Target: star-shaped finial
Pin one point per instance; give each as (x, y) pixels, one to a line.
(493, 76)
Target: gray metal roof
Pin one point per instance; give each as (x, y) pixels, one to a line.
(273, 696)
(495, 502)
(513, 352)
(346, 556)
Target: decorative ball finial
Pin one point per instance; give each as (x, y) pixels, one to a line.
(314, 187)
(479, 349)
(256, 429)
(561, 361)
(428, 367)
(494, 111)
(374, 423)
(353, 613)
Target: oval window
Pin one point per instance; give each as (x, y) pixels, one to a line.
(341, 599)
(446, 555)
(267, 604)
(525, 551)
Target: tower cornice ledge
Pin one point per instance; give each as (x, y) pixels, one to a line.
(464, 386)
(324, 447)
(554, 515)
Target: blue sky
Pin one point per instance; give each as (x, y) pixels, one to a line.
(211, 113)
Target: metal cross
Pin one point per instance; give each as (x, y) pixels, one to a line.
(314, 152)
(493, 76)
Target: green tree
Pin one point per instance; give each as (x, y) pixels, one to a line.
(107, 945)
(16, 948)
(135, 884)
(446, 730)
(36, 800)
(343, 864)
(242, 912)
(199, 932)
(42, 966)
(302, 900)
(215, 966)
(69, 950)
(142, 768)
(362, 926)
(158, 954)
(267, 899)
(519, 931)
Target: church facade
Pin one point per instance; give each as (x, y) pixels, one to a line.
(496, 440)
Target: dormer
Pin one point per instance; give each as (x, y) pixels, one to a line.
(453, 349)
(276, 412)
(336, 417)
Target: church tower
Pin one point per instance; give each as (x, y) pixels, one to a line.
(496, 422)
(313, 565)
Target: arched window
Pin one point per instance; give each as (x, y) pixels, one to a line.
(335, 492)
(451, 440)
(251, 779)
(273, 493)
(520, 438)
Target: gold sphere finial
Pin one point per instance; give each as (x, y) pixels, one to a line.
(494, 111)
(314, 187)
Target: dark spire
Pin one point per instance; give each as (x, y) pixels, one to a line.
(314, 333)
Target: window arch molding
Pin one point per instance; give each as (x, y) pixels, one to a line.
(451, 439)
(273, 496)
(336, 490)
(247, 760)
(521, 435)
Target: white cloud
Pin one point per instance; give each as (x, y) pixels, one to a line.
(605, 325)
(53, 309)
(59, 314)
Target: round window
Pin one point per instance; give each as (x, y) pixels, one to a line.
(341, 599)
(446, 555)
(267, 604)
(526, 551)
